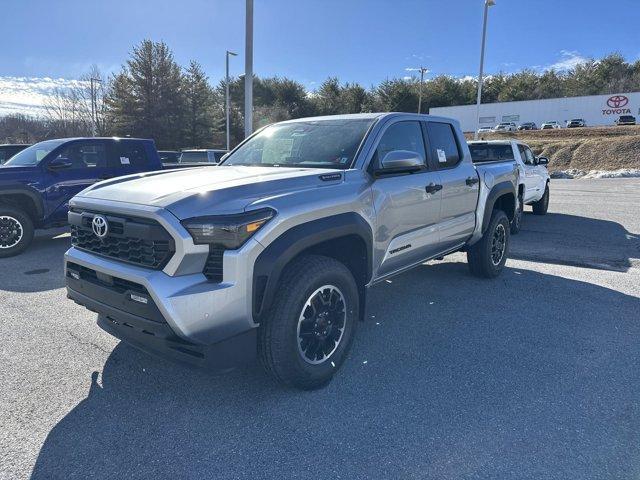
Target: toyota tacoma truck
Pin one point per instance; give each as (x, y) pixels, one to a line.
(37, 183)
(271, 253)
(534, 179)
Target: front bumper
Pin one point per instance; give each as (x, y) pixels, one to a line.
(185, 317)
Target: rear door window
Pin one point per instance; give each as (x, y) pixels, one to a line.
(132, 155)
(443, 145)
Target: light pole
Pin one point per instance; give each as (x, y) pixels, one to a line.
(94, 105)
(227, 101)
(422, 72)
(248, 70)
(487, 4)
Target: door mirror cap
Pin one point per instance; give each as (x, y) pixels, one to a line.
(59, 163)
(401, 161)
(543, 161)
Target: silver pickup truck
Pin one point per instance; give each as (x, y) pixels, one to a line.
(271, 253)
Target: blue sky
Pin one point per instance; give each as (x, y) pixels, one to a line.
(309, 40)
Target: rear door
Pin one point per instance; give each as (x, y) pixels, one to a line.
(459, 181)
(407, 205)
(127, 157)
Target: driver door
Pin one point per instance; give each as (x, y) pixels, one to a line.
(88, 164)
(407, 205)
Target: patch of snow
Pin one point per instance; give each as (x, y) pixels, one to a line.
(575, 173)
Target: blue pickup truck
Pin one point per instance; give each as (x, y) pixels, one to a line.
(37, 183)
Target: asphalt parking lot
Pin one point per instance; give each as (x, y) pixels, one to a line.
(533, 375)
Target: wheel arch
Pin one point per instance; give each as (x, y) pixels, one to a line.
(345, 237)
(503, 196)
(24, 199)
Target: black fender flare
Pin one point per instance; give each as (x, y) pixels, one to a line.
(274, 258)
(496, 192)
(29, 192)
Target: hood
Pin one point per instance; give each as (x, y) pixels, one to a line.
(10, 173)
(192, 192)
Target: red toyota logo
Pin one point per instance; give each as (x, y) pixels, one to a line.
(617, 101)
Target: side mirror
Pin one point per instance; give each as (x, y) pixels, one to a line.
(401, 161)
(60, 163)
(543, 161)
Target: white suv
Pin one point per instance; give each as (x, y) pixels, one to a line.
(506, 127)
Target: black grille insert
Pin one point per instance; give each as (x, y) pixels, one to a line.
(213, 267)
(138, 241)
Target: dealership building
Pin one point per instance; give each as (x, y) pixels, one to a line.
(594, 109)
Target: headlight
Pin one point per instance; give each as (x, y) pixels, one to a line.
(228, 231)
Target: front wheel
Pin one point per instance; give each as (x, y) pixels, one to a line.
(487, 257)
(541, 206)
(308, 331)
(16, 231)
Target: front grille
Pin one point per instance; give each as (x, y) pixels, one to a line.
(213, 267)
(138, 241)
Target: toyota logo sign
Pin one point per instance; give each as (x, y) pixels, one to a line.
(100, 226)
(617, 101)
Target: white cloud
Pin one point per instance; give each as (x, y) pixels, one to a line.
(28, 94)
(569, 59)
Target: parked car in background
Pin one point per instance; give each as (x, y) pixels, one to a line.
(527, 126)
(485, 129)
(625, 120)
(550, 125)
(8, 150)
(274, 261)
(169, 156)
(201, 156)
(533, 178)
(505, 127)
(37, 183)
(576, 122)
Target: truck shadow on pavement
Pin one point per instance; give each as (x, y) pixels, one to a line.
(574, 240)
(40, 267)
(448, 378)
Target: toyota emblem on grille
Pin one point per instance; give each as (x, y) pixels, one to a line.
(100, 226)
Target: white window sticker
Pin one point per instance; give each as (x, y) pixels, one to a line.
(442, 157)
(125, 161)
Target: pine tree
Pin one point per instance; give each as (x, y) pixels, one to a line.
(201, 114)
(146, 99)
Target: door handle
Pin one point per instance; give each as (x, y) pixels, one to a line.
(433, 188)
(105, 177)
(471, 181)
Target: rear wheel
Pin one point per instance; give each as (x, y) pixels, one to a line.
(16, 231)
(487, 257)
(308, 331)
(541, 206)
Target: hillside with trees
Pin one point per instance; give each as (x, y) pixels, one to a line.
(154, 97)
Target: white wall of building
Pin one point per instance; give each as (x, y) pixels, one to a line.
(595, 109)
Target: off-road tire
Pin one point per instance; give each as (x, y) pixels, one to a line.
(14, 221)
(540, 207)
(480, 254)
(278, 341)
(516, 224)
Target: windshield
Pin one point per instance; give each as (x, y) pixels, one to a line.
(308, 144)
(194, 157)
(32, 155)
